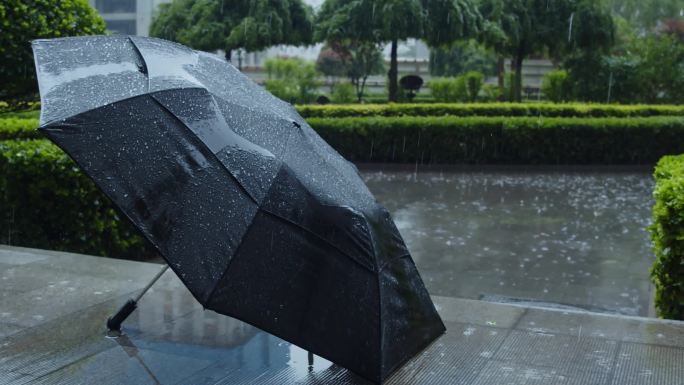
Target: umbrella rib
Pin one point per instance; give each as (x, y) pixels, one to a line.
(251, 109)
(257, 202)
(387, 262)
(211, 293)
(265, 211)
(145, 69)
(237, 181)
(246, 192)
(380, 334)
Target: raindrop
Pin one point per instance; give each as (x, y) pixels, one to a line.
(572, 16)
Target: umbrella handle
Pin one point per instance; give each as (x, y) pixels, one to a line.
(114, 322)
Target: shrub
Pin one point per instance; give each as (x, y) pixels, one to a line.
(667, 235)
(18, 128)
(447, 90)
(291, 79)
(491, 109)
(520, 140)
(47, 202)
(343, 93)
(460, 57)
(23, 21)
(509, 86)
(382, 98)
(473, 82)
(555, 86)
(647, 69)
(492, 92)
(32, 111)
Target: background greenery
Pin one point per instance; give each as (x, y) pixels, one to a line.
(605, 51)
(487, 140)
(62, 209)
(47, 202)
(292, 79)
(667, 234)
(490, 109)
(22, 21)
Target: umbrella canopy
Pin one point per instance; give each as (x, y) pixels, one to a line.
(258, 216)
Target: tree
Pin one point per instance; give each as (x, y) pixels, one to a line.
(649, 71)
(353, 59)
(254, 25)
(438, 22)
(291, 79)
(555, 86)
(674, 28)
(332, 64)
(519, 28)
(365, 60)
(25, 20)
(645, 15)
(462, 57)
(644, 65)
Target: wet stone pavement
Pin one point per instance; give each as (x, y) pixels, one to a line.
(564, 237)
(53, 307)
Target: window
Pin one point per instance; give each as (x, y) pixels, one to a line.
(115, 6)
(123, 27)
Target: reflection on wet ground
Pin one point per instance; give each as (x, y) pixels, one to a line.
(53, 308)
(565, 238)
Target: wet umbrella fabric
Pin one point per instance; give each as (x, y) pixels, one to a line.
(256, 214)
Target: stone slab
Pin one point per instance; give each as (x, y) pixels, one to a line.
(171, 339)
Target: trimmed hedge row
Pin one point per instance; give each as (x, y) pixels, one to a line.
(47, 202)
(489, 109)
(384, 98)
(18, 128)
(26, 114)
(667, 234)
(503, 140)
(485, 139)
(462, 109)
(22, 125)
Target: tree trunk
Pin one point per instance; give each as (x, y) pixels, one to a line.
(393, 73)
(517, 89)
(363, 88)
(501, 72)
(357, 85)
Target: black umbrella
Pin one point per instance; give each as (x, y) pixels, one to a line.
(257, 215)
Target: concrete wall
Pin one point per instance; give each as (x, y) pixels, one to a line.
(533, 71)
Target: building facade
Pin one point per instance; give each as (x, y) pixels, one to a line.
(127, 17)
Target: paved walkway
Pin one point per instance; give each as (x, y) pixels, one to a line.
(53, 307)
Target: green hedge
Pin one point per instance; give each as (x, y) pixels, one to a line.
(503, 140)
(427, 108)
(48, 203)
(26, 114)
(18, 128)
(22, 125)
(489, 109)
(422, 97)
(667, 234)
(522, 140)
